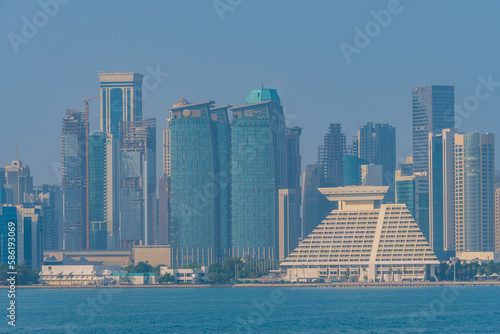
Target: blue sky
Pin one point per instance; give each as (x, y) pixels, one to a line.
(292, 46)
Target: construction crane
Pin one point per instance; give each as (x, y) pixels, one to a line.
(87, 197)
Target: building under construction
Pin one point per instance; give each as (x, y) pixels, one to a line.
(74, 181)
(137, 182)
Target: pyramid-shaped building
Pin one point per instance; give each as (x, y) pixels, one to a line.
(362, 241)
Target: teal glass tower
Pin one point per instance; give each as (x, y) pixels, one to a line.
(257, 174)
(199, 184)
(377, 144)
(97, 191)
(7, 214)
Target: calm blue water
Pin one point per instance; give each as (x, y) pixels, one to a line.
(257, 310)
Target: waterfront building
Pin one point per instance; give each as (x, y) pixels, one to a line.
(257, 173)
(377, 144)
(362, 241)
(190, 276)
(433, 109)
(198, 182)
(74, 181)
(289, 221)
(137, 182)
(474, 192)
(442, 193)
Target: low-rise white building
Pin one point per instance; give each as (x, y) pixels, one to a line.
(193, 276)
(80, 274)
(479, 256)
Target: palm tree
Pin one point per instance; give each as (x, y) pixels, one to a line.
(70, 275)
(50, 271)
(60, 277)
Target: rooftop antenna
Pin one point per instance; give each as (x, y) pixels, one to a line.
(182, 89)
(262, 84)
(17, 155)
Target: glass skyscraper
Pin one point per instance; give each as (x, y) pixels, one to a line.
(19, 180)
(433, 110)
(7, 214)
(74, 180)
(199, 182)
(121, 100)
(97, 191)
(441, 193)
(474, 192)
(377, 144)
(257, 174)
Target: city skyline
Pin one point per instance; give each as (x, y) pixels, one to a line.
(325, 87)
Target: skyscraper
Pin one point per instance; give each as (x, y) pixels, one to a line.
(97, 191)
(198, 182)
(290, 196)
(413, 191)
(313, 202)
(474, 192)
(331, 156)
(137, 182)
(257, 174)
(121, 100)
(8, 214)
(50, 197)
(441, 193)
(377, 144)
(433, 110)
(74, 181)
(18, 178)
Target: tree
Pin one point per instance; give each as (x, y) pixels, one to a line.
(193, 265)
(216, 273)
(60, 277)
(70, 275)
(166, 278)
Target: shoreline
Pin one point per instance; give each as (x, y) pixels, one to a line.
(270, 285)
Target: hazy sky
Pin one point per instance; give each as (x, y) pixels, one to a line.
(293, 46)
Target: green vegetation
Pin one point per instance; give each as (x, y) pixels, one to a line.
(25, 276)
(466, 271)
(234, 269)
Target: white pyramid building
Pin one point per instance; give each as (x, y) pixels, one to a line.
(362, 241)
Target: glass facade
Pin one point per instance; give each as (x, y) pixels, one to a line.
(74, 180)
(199, 183)
(352, 170)
(121, 100)
(377, 144)
(97, 191)
(258, 170)
(433, 110)
(474, 192)
(7, 214)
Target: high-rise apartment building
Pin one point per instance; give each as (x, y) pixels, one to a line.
(50, 197)
(442, 193)
(198, 182)
(433, 110)
(137, 182)
(74, 181)
(474, 192)
(377, 144)
(257, 173)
